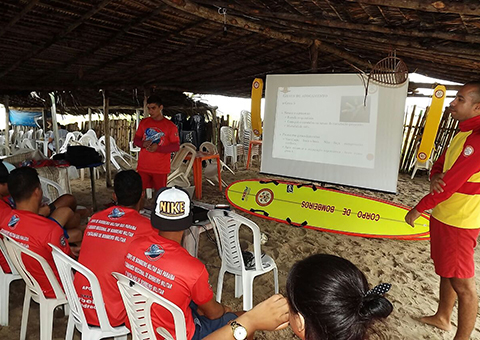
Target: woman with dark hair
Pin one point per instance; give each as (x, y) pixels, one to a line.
(328, 298)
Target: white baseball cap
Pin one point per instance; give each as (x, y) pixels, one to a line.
(172, 210)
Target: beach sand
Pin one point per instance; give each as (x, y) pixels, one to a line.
(404, 264)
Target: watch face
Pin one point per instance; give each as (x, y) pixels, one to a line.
(240, 333)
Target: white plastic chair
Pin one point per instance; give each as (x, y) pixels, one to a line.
(33, 291)
(51, 190)
(138, 302)
(226, 226)
(211, 172)
(69, 138)
(230, 147)
(114, 152)
(5, 280)
(181, 166)
(67, 267)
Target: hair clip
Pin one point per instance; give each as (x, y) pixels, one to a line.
(380, 289)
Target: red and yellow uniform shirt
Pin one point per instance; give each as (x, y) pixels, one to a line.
(459, 204)
(162, 132)
(104, 246)
(166, 268)
(35, 232)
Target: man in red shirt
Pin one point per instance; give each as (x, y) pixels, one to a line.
(30, 229)
(161, 264)
(108, 234)
(455, 220)
(158, 138)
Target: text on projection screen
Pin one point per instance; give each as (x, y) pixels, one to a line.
(319, 124)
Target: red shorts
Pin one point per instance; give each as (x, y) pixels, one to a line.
(452, 250)
(155, 181)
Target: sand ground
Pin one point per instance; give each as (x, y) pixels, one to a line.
(405, 264)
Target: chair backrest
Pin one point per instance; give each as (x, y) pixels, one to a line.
(51, 190)
(209, 148)
(88, 140)
(15, 250)
(182, 154)
(69, 137)
(226, 135)
(92, 134)
(138, 302)
(39, 134)
(67, 267)
(190, 145)
(77, 135)
(3, 250)
(226, 227)
(27, 144)
(28, 134)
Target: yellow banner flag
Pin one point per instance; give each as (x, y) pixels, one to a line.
(257, 89)
(431, 124)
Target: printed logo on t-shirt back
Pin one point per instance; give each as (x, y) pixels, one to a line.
(154, 135)
(154, 252)
(63, 241)
(13, 221)
(468, 151)
(116, 213)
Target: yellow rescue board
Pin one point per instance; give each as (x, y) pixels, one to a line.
(257, 89)
(328, 210)
(431, 124)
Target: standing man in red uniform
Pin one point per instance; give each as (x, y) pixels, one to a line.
(30, 229)
(161, 264)
(455, 220)
(108, 234)
(158, 138)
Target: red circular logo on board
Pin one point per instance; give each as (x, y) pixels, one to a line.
(256, 84)
(439, 93)
(422, 156)
(264, 197)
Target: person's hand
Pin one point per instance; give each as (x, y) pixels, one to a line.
(437, 183)
(411, 216)
(269, 315)
(152, 148)
(147, 143)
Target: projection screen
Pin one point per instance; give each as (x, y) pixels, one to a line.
(322, 128)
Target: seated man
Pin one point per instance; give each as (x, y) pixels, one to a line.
(161, 264)
(62, 133)
(62, 210)
(104, 246)
(30, 229)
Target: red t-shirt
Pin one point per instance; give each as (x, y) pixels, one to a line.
(5, 210)
(166, 268)
(162, 132)
(104, 247)
(35, 232)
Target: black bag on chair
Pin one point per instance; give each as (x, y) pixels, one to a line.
(81, 156)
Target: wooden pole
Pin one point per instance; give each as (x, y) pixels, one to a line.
(54, 121)
(106, 123)
(89, 118)
(314, 55)
(7, 125)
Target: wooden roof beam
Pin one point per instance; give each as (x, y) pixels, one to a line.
(195, 9)
(139, 50)
(435, 6)
(19, 16)
(39, 49)
(104, 43)
(287, 20)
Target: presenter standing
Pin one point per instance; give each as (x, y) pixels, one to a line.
(455, 220)
(158, 138)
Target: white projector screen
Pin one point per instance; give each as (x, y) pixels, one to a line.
(319, 127)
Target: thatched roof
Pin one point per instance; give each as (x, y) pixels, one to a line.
(189, 45)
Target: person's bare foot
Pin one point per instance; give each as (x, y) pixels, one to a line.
(436, 322)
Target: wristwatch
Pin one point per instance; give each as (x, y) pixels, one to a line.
(239, 332)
